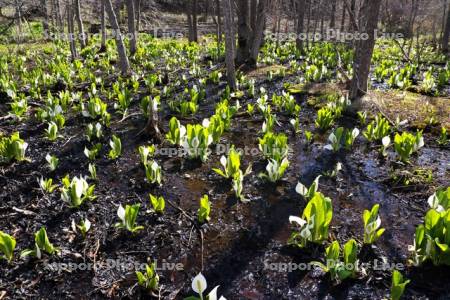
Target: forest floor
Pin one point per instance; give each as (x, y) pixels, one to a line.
(243, 240)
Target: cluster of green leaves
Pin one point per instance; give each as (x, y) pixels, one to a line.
(428, 83)
(339, 265)
(432, 238)
(7, 246)
(158, 203)
(94, 131)
(226, 112)
(403, 79)
(204, 210)
(372, 224)
(274, 146)
(196, 142)
(232, 170)
(124, 97)
(47, 185)
(54, 108)
(443, 139)
(286, 103)
(440, 200)
(128, 217)
(341, 137)
(41, 244)
(116, 147)
(149, 103)
(406, 144)
(150, 279)
(153, 172)
(325, 118)
(314, 223)
(76, 191)
(83, 227)
(216, 127)
(95, 109)
(52, 131)
(19, 106)
(398, 285)
(92, 153)
(12, 147)
(308, 192)
(377, 129)
(176, 132)
(145, 152)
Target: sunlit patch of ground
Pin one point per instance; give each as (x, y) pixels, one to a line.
(419, 110)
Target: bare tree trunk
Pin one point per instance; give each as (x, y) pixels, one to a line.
(190, 29)
(229, 43)
(253, 13)
(308, 22)
(52, 14)
(124, 63)
(206, 11)
(192, 20)
(195, 19)
(244, 35)
(333, 14)
(132, 26)
(301, 7)
(137, 6)
(219, 23)
(258, 33)
(19, 20)
(45, 21)
(364, 51)
(103, 25)
(70, 29)
(83, 37)
(344, 11)
(322, 25)
(446, 35)
(59, 20)
(352, 13)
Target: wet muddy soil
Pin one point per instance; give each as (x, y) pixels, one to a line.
(242, 243)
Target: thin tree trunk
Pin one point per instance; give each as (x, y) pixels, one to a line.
(190, 29)
(52, 14)
(83, 37)
(308, 22)
(446, 35)
(45, 21)
(229, 43)
(103, 25)
(137, 6)
(353, 13)
(70, 29)
(322, 16)
(333, 14)
(344, 11)
(301, 6)
(124, 63)
(219, 22)
(19, 21)
(244, 34)
(253, 13)
(132, 26)
(195, 20)
(364, 51)
(258, 33)
(59, 20)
